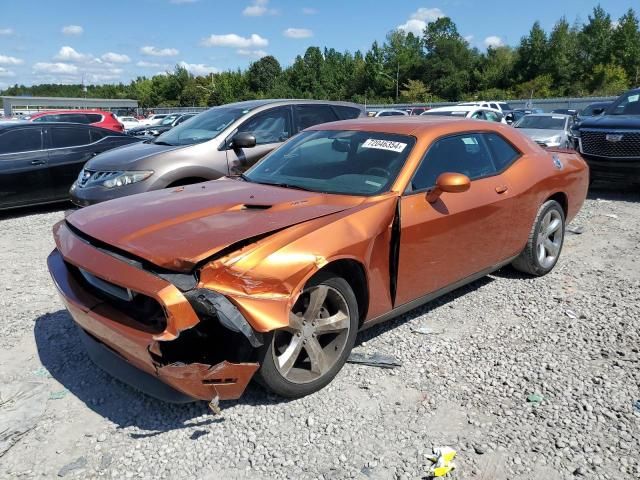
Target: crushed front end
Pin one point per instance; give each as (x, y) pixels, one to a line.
(155, 330)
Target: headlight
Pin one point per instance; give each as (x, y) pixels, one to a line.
(127, 178)
(555, 140)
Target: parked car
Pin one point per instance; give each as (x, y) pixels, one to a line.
(502, 107)
(39, 161)
(468, 111)
(222, 141)
(275, 272)
(154, 119)
(566, 111)
(390, 112)
(416, 110)
(95, 118)
(594, 109)
(129, 122)
(610, 143)
(547, 129)
(517, 113)
(166, 124)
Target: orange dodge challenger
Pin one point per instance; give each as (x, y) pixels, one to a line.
(186, 293)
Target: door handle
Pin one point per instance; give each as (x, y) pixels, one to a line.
(38, 162)
(501, 189)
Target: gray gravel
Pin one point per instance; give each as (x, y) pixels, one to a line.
(466, 381)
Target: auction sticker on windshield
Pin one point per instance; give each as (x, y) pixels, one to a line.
(384, 145)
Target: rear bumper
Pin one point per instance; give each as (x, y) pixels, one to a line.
(118, 344)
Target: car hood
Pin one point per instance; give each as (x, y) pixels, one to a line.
(126, 157)
(540, 133)
(178, 228)
(160, 128)
(611, 122)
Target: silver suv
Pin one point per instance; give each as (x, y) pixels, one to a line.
(221, 141)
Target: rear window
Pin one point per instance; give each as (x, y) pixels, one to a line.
(62, 137)
(94, 117)
(97, 135)
(346, 113)
(310, 115)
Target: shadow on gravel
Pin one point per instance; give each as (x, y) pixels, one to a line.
(35, 210)
(601, 189)
(381, 328)
(61, 352)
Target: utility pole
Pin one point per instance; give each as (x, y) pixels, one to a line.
(397, 81)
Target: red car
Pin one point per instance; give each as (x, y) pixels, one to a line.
(96, 118)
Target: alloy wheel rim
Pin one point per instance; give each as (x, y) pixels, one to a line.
(314, 340)
(549, 242)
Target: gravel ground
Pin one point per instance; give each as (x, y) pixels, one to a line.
(572, 337)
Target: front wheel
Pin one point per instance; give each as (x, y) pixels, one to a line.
(304, 357)
(545, 241)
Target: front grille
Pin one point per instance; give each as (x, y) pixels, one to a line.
(144, 310)
(613, 144)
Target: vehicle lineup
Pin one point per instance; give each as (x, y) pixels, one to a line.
(188, 293)
(547, 129)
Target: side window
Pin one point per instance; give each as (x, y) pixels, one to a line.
(494, 105)
(491, 116)
(479, 115)
(346, 113)
(503, 153)
(22, 140)
(97, 135)
(466, 154)
(310, 115)
(44, 118)
(272, 126)
(93, 117)
(62, 137)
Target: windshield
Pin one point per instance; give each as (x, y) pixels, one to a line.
(341, 162)
(202, 127)
(168, 120)
(542, 122)
(626, 104)
(505, 106)
(450, 113)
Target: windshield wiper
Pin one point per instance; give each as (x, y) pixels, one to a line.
(288, 185)
(164, 143)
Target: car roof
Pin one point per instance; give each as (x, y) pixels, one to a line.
(461, 108)
(49, 112)
(414, 125)
(251, 104)
(5, 125)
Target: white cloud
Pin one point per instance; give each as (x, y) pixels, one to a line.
(59, 67)
(6, 31)
(113, 57)
(69, 54)
(159, 52)
(4, 73)
(298, 33)
(493, 41)
(6, 60)
(198, 68)
(251, 53)
(72, 30)
(419, 19)
(258, 8)
(235, 41)
(309, 11)
(144, 64)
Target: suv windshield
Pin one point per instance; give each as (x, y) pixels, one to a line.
(505, 106)
(341, 162)
(541, 122)
(204, 127)
(626, 104)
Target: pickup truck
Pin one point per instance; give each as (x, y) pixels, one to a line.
(610, 143)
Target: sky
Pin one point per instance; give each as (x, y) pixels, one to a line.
(66, 41)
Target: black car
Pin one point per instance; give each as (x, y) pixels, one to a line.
(610, 143)
(165, 125)
(40, 161)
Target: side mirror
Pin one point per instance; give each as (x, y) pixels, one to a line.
(448, 182)
(243, 140)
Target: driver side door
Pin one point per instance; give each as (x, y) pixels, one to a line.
(270, 127)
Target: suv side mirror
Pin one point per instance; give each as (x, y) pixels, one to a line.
(243, 140)
(448, 182)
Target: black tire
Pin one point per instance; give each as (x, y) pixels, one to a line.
(270, 377)
(528, 261)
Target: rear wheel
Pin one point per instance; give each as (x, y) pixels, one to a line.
(304, 357)
(545, 241)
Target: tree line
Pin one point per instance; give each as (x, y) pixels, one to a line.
(598, 57)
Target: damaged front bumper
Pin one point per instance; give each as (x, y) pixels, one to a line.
(172, 347)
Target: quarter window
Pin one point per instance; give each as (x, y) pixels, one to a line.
(466, 154)
(345, 112)
(22, 140)
(503, 152)
(62, 137)
(272, 126)
(310, 115)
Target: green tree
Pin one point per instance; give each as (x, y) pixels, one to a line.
(595, 40)
(532, 54)
(625, 43)
(414, 91)
(263, 74)
(561, 62)
(609, 80)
